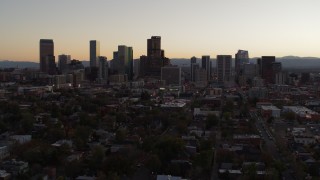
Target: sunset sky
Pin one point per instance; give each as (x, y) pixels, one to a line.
(187, 27)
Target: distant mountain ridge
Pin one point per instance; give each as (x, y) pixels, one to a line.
(287, 62)
(18, 64)
(25, 64)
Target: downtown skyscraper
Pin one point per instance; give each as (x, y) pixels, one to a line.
(151, 64)
(94, 53)
(265, 65)
(193, 65)
(46, 57)
(224, 68)
(63, 61)
(206, 64)
(103, 69)
(123, 61)
(241, 58)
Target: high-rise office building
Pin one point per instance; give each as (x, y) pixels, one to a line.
(103, 68)
(50, 64)
(276, 73)
(276, 67)
(206, 64)
(266, 68)
(241, 57)
(46, 54)
(113, 63)
(259, 64)
(193, 60)
(154, 47)
(249, 70)
(171, 75)
(143, 65)
(192, 74)
(94, 53)
(280, 78)
(63, 61)
(129, 66)
(200, 74)
(224, 68)
(123, 61)
(136, 67)
(155, 58)
(75, 65)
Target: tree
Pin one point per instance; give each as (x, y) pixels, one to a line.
(27, 122)
(245, 109)
(3, 126)
(253, 101)
(250, 171)
(280, 166)
(228, 107)
(112, 176)
(205, 145)
(211, 121)
(96, 158)
(55, 111)
(121, 117)
(73, 169)
(289, 116)
(86, 120)
(272, 174)
(225, 156)
(227, 116)
(118, 164)
(153, 163)
(195, 104)
(145, 96)
(121, 134)
(81, 136)
(204, 160)
(270, 120)
(55, 134)
(168, 147)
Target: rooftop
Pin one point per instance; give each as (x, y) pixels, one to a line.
(270, 108)
(246, 136)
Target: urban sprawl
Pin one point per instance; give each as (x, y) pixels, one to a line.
(145, 118)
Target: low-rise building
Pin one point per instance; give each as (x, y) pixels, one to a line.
(86, 178)
(62, 142)
(4, 152)
(260, 104)
(15, 167)
(270, 111)
(302, 113)
(204, 112)
(214, 91)
(168, 177)
(21, 139)
(304, 139)
(118, 78)
(258, 92)
(173, 104)
(247, 139)
(4, 175)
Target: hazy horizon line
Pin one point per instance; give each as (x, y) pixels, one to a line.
(292, 56)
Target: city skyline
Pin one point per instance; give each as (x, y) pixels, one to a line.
(187, 29)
